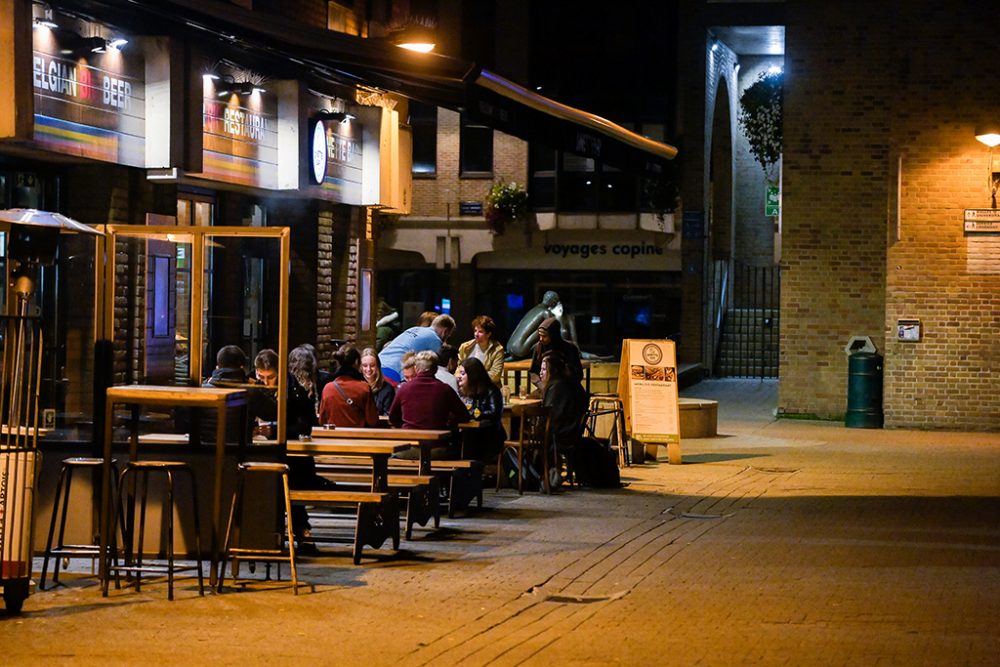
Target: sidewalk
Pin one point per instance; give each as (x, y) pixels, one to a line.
(779, 542)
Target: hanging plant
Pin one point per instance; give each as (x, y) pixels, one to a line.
(505, 203)
(760, 118)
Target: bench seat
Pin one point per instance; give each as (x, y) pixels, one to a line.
(377, 516)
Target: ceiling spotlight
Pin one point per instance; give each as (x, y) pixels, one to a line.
(341, 116)
(117, 43)
(44, 23)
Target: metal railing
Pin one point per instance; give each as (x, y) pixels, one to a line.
(747, 340)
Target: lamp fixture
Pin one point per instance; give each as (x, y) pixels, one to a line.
(990, 135)
(336, 116)
(44, 23)
(102, 45)
(414, 37)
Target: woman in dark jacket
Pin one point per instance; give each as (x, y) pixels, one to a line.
(567, 400)
(550, 340)
(382, 389)
(485, 403)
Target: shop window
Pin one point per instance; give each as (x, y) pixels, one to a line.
(340, 18)
(543, 177)
(423, 124)
(579, 184)
(617, 191)
(476, 150)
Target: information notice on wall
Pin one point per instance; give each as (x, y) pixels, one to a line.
(647, 385)
(982, 220)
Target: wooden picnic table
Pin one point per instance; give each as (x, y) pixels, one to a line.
(212, 398)
(425, 439)
(379, 451)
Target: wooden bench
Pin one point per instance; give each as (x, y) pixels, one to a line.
(421, 492)
(377, 517)
(463, 480)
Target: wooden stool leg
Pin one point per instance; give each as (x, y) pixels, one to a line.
(234, 507)
(197, 533)
(170, 535)
(52, 530)
(291, 534)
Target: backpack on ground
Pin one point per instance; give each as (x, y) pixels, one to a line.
(596, 464)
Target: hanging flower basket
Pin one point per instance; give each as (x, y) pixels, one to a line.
(760, 117)
(505, 203)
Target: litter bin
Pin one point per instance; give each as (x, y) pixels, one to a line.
(864, 390)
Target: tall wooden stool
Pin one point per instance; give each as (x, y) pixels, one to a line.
(134, 565)
(610, 404)
(60, 507)
(235, 553)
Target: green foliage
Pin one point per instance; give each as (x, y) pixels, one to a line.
(760, 118)
(505, 203)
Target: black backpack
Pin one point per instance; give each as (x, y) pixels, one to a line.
(596, 464)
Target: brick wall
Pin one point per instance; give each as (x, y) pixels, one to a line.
(835, 156)
(439, 196)
(937, 273)
(866, 85)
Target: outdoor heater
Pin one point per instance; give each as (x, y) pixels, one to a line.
(32, 238)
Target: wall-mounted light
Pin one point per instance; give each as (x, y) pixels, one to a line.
(44, 23)
(336, 116)
(990, 135)
(414, 37)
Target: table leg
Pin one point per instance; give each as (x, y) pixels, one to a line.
(425, 457)
(220, 456)
(105, 520)
(380, 474)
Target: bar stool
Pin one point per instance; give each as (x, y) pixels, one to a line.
(142, 470)
(63, 491)
(610, 404)
(235, 553)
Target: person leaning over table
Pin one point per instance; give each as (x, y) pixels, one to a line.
(347, 399)
(485, 403)
(426, 403)
(383, 390)
(485, 347)
(415, 339)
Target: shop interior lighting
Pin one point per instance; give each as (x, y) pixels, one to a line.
(44, 23)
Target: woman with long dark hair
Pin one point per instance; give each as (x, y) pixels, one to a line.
(347, 398)
(485, 403)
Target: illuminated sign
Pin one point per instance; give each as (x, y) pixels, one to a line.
(239, 136)
(317, 152)
(90, 105)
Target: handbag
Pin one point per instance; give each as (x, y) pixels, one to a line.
(348, 400)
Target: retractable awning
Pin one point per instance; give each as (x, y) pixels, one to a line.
(303, 52)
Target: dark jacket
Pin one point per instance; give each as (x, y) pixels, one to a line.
(569, 351)
(568, 402)
(485, 442)
(383, 398)
(426, 403)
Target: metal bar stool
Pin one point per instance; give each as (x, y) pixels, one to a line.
(60, 507)
(142, 469)
(235, 553)
(610, 404)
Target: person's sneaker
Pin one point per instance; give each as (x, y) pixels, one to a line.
(303, 548)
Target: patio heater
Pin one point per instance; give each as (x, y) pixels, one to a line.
(32, 239)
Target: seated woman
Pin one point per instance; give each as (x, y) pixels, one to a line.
(382, 389)
(567, 399)
(485, 403)
(347, 398)
(550, 340)
(484, 347)
(303, 391)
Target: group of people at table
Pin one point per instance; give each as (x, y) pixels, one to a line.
(417, 381)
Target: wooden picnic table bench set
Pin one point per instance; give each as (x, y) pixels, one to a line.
(368, 478)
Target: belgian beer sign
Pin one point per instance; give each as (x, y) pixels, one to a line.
(89, 97)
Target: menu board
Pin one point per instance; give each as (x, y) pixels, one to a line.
(88, 104)
(647, 386)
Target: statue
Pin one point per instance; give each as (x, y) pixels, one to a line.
(525, 334)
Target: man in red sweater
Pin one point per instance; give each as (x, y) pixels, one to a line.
(427, 403)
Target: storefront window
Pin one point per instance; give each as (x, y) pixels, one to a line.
(476, 150)
(423, 124)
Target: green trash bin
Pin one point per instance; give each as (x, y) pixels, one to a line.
(864, 391)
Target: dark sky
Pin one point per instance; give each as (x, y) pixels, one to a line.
(617, 61)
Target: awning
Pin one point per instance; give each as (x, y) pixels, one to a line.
(302, 52)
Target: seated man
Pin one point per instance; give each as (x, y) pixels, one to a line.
(447, 361)
(415, 339)
(426, 403)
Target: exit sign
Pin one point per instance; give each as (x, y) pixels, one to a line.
(772, 201)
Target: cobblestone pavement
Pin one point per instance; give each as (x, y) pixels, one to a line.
(779, 542)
